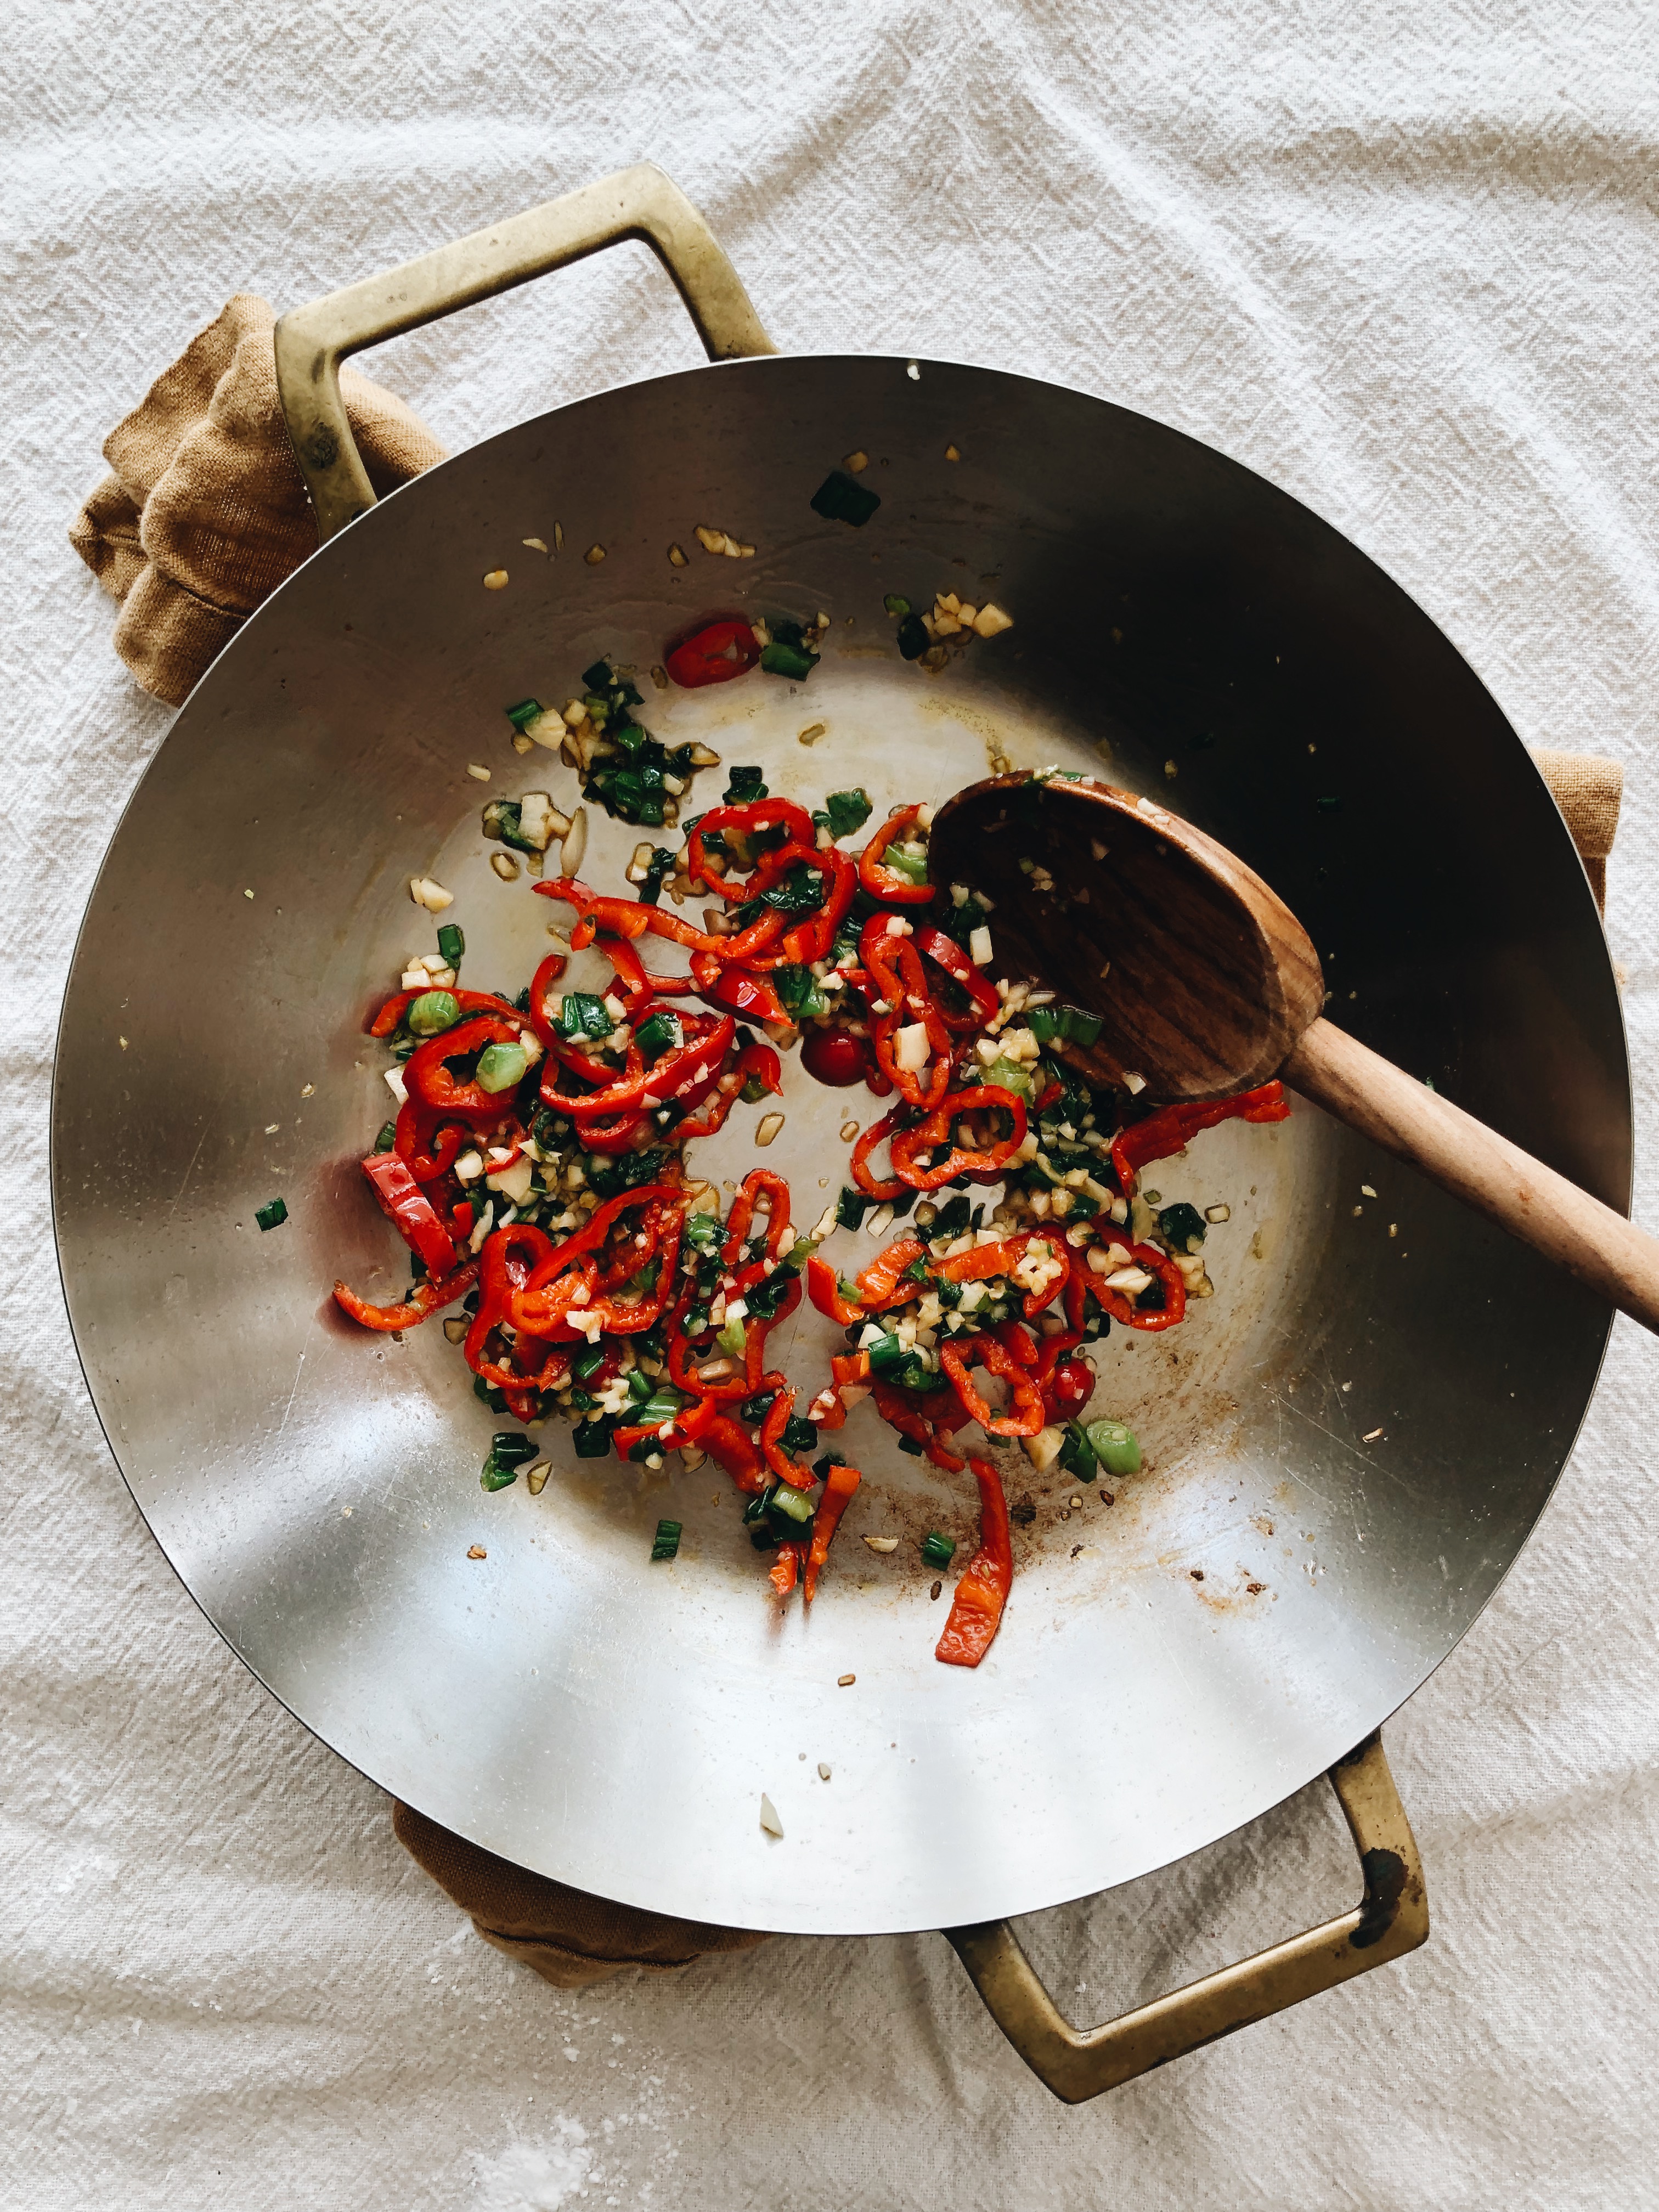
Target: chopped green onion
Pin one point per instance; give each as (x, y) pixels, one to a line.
(841, 498)
(702, 1230)
(582, 1015)
(732, 1339)
(780, 660)
(937, 1551)
(852, 1205)
(509, 1445)
(660, 865)
(433, 1013)
(793, 1504)
(843, 813)
(612, 1175)
(912, 866)
(387, 1141)
(799, 1434)
(591, 1438)
(666, 1542)
(661, 1405)
(496, 1474)
(1115, 1446)
(821, 1467)
(451, 943)
(272, 1216)
(952, 1217)
(1077, 1454)
(849, 1293)
(662, 1033)
(896, 604)
(499, 1067)
(598, 677)
(1008, 1075)
(1182, 1227)
(524, 712)
(743, 784)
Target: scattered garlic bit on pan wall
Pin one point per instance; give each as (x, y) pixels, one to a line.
(536, 545)
(721, 541)
(676, 556)
(594, 555)
(769, 1126)
(854, 463)
(558, 536)
(477, 772)
(495, 580)
(505, 866)
(433, 896)
(769, 1816)
(951, 454)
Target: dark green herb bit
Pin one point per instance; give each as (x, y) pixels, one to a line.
(852, 1206)
(841, 498)
(843, 813)
(821, 1467)
(801, 891)
(937, 1551)
(666, 1542)
(952, 1217)
(612, 1174)
(388, 1140)
(799, 1434)
(659, 866)
(891, 1360)
(502, 820)
(743, 784)
(588, 1362)
(582, 1015)
(912, 638)
(1328, 806)
(1048, 1023)
(591, 1438)
(526, 711)
(702, 1230)
(1077, 1454)
(509, 1450)
(451, 943)
(660, 1033)
(896, 604)
(272, 1216)
(1182, 1227)
(792, 660)
(799, 989)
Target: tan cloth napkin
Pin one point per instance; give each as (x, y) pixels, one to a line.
(206, 511)
(205, 515)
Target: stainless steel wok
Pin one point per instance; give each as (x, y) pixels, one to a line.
(1346, 1448)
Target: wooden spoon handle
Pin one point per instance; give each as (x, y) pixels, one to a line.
(1611, 1254)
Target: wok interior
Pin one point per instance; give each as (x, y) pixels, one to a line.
(611, 1723)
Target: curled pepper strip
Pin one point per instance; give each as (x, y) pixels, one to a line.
(546, 975)
(988, 1166)
(537, 1308)
(1172, 1128)
(840, 1484)
(1174, 1293)
(771, 1436)
(879, 1284)
(1027, 1417)
(509, 1259)
(618, 917)
(895, 967)
(427, 1298)
(684, 1075)
(1002, 1258)
(885, 883)
(748, 817)
(823, 1287)
(863, 1175)
(933, 945)
(923, 1419)
(713, 654)
(390, 1015)
(981, 1595)
(743, 945)
(758, 1182)
(812, 939)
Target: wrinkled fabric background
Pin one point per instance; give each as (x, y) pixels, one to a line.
(1403, 260)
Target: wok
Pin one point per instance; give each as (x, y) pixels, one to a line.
(1346, 1448)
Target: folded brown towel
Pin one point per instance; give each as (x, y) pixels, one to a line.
(205, 514)
(207, 511)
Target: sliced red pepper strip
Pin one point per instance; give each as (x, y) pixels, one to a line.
(430, 1084)
(863, 1175)
(713, 654)
(508, 1258)
(927, 1136)
(879, 1283)
(748, 817)
(840, 1483)
(885, 883)
(425, 1299)
(470, 1002)
(787, 1568)
(748, 995)
(729, 1447)
(685, 1074)
(618, 917)
(981, 1595)
(1027, 1417)
(823, 1287)
(1002, 1258)
(895, 966)
(760, 1063)
(933, 945)
(758, 1182)
(741, 946)
(850, 1366)
(812, 939)
(1167, 1131)
(1174, 1308)
(408, 1206)
(771, 1436)
(547, 975)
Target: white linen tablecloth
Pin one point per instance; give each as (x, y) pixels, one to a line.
(1404, 261)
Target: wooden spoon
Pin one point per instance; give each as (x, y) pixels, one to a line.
(1207, 983)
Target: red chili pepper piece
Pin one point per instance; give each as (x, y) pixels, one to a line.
(896, 969)
(748, 817)
(885, 883)
(1071, 1387)
(987, 1166)
(1027, 1417)
(470, 1002)
(714, 655)
(981, 1595)
(863, 1175)
(1002, 1258)
(427, 1298)
(407, 1205)
(618, 917)
(1167, 1131)
(509, 1257)
(771, 1436)
(840, 1484)
(823, 1288)
(1121, 1308)
(878, 1283)
(684, 1075)
(787, 1568)
(933, 945)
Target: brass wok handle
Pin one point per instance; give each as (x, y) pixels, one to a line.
(641, 203)
(1391, 1919)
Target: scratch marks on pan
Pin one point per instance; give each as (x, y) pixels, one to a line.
(299, 1369)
